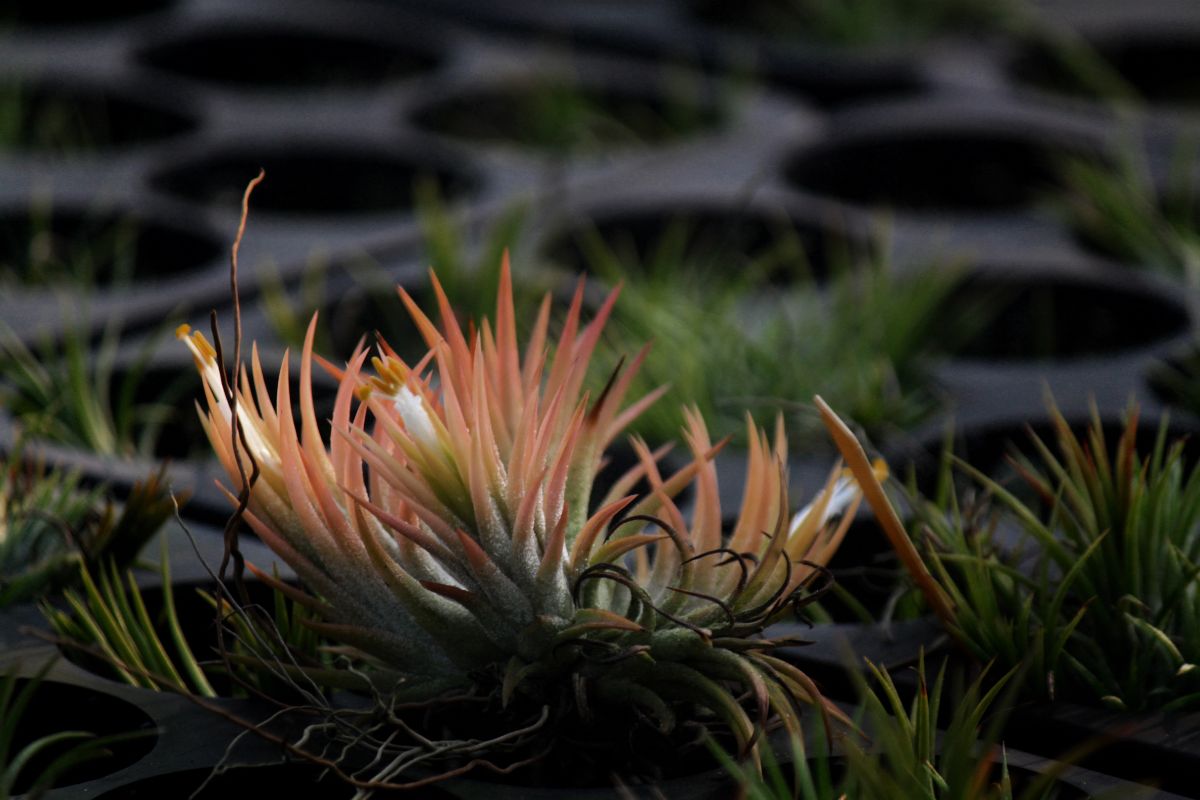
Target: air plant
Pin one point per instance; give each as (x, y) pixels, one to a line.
(448, 539)
(39, 512)
(1100, 599)
(904, 755)
(1118, 208)
(69, 394)
(50, 524)
(108, 622)
(849, 339)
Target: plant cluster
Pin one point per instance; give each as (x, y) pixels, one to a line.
(1101, 599)
(448, 538)
(70, 394)
(851, 339)
(50, 524)
(914, 751)
(1118, 208)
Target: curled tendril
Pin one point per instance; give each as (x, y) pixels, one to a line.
(618, 653)
(725, 609)
(622, 577)
(771, 604)
(734, 557)
(812, 595)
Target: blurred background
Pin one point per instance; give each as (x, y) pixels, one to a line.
(935, 213)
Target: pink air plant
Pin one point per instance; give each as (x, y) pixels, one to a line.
(441, 524)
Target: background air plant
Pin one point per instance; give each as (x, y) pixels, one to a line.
(1118, 208)
(1102, 601)
(565, 116)
(904, 755)
(370, 290)
(51, 247)
(852, 339)
(109, 624)
(50, 525)
(68, 394)
(449, 539)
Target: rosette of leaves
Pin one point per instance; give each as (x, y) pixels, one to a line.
(1100, 597)
(449, 540)
(50, 524)
(769, 348)
(1118, 208)
(904, 755)
(74, 394)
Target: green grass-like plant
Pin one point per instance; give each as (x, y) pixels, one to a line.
(1117, 208)
(727, 340)
(68, 749)
(73, 394)
(108, 619)
(1103, 600)
(50, 524)
(903, 755)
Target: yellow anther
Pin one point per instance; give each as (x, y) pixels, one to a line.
(203, 347)
(182, 331)
(390, 375)
(880, 468)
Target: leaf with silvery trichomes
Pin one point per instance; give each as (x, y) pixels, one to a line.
(444, 523)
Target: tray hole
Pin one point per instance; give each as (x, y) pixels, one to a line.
(63, 13)
(763, 247)
(561, 116)
(285, 58)
(57, 706)
(45, 117)
(1051, 319)
(1163, 69)
(311, 181)
(72, 246)
(936, 171)
(886, 23)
